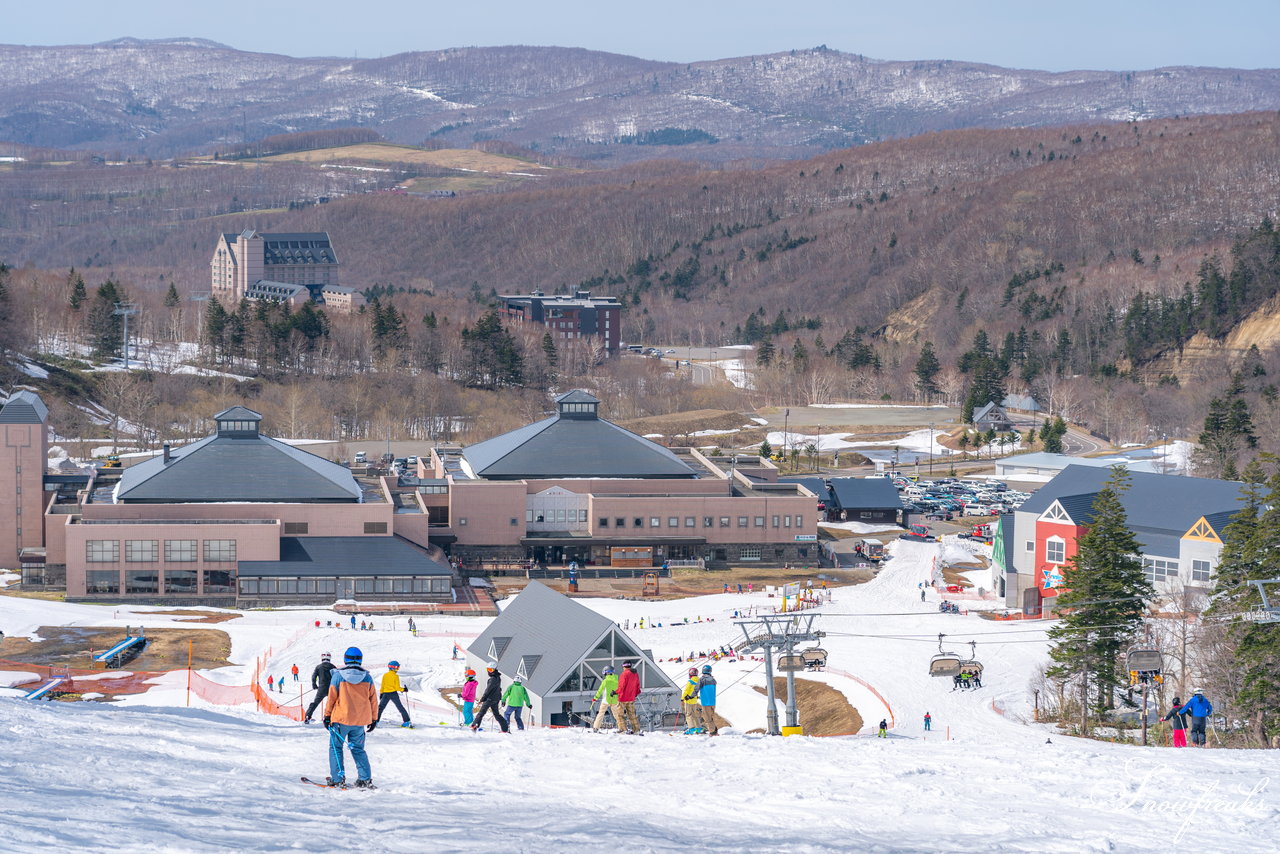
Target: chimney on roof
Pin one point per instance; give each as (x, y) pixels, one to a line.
(584, 294)
(537, 292)
(167, 456)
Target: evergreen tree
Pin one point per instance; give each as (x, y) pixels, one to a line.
(765, 353)
(926, 371)
(310, 322)
(105, 327)
(492, 355)
(1051, 434)
(6, 313)
(799, 357)
(215, 328)
(1249, 545)
(549, 350)
(76, 292)
(171, 298)
(1103, 598)
(766, 450)
(1227, 427)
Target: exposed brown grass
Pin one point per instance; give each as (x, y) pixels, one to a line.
(72, 646)
(199, 616)
(678, 423)
(823, 709)
(448, 158)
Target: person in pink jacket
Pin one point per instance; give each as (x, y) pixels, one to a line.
(469, 698)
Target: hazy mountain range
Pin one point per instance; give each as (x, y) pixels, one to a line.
(182, 95)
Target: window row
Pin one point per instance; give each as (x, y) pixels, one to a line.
(144, 581)
(1159, 569)
(707, 521)
(321, 586)
(558, 514)
(148, 551)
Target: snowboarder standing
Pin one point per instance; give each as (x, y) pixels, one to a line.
(628, 691)
(352, 706)
(1178, 720)
(469, 698)
(707, 699)
(391, 690)
(320, 682)
(884, 729)
(1199, 708)
(928, 722)
(607, 695)
(490, 699)
(516, 699)
(689, 696)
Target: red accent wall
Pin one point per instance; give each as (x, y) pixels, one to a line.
(1044, 530)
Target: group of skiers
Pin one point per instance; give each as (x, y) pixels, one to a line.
(967, 679)
(699, 699)
(515, 700)
(1198, 709)
(617, 693)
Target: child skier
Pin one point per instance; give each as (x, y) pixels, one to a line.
(390, 692)
(320, 682)
(928, 722)
(352, 706)
(271, 684)
(516, 699)
(1178, 720)
(469, 698)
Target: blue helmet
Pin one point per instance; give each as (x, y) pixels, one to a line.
(353, 655)
(706, 668)
(394, 665)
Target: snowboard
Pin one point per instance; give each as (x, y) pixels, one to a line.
(323, 785)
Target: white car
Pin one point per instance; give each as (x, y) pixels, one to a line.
(975, 509)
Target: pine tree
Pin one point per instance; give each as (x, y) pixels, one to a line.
(766, 450)
(105, 327)
(1249, 545)
(926, 371)
(549, 350)
(765, 353)
(171, 298)
(1103, 600)
(76, 292)
(215, 327)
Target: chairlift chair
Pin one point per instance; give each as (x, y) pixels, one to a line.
(1145, 666)
(814, 658)
(945, 663)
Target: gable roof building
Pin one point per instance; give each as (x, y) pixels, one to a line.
(242, 262)
(574, 443)
(559, 647)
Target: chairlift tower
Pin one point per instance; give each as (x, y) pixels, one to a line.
(780, 632)
(125, 310)
(1270, 611)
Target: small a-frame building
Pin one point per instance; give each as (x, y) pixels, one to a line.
(559, 648)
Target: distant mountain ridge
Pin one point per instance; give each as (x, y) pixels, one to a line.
(165, 96)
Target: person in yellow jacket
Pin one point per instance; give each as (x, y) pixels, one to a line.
(689, 696)
(607, 694)
(390, 693)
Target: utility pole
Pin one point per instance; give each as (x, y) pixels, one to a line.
(779, 631)
(125, 309)
(786, 419)
(930, 450)
(1144, 694)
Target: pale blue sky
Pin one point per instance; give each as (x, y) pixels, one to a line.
(1057, 36)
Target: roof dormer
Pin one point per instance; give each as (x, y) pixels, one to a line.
(238, 422)
(578, 404)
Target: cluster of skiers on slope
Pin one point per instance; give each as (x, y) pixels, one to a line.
(503, 705)
(699, 699)
(1198, 709)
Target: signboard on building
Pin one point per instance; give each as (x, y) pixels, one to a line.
(806, 538)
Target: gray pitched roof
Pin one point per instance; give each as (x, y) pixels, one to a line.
(991, 410)
(238, 413)
(333, 557)
(816, 485)
(542, 622)
(251, 467)
(25, 407)
(1024, 402)
(1154, 503)
(569, 446)
(577, 396)
(865, 493)
(549, 633)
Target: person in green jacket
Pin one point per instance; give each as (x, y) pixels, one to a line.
(516, 699)
(607, 695)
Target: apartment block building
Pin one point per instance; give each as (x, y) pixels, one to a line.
(575, 317)
(289, 268)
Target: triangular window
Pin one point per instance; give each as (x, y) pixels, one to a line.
(1055, 513)
(497, 647)
(528, 663)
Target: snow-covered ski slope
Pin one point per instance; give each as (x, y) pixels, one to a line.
(149, 774)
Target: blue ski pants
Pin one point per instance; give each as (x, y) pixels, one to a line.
(351, 736)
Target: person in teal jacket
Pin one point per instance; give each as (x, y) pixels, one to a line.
(607, 695)
(707, 699)
(516, 699)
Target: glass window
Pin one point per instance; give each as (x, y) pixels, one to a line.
(179, 551)
(326, 585)
(655, 522)
(786, 521)
(1031, 545)
(742, 521)
(604, 521)
(582, 515)
(637, 522)
(141, 581)
(289, 585)
(749, 553)
(619, 522)
(799, 521)
(690, 521)
(248, 587)
(1201, 570)
(219, 550)
(777, 520)
(1055, 550)
(364, 585)
(217, 580)
(382, 585)
(306, 585)
(673, 521)
(759, 520)
(267, 586)
(724, 521)
(1159, 570)
(102, 581)
(380, 527)
(708, 521)
(180, 581)
(528, 516)
(296, 527)
(141, 551)
(401, 585)
(102, 551)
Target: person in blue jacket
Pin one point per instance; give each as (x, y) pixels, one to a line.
(1199, 708)
(707, 700)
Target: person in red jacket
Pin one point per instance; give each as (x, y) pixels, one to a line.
(628, 691)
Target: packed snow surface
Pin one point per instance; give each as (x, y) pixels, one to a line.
(150, 774)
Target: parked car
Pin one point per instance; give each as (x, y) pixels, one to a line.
(413, 460)
(361, 458)
(975, 509)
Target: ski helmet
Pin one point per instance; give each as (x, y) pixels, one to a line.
(394, 665)
(693, 671)
(470, 672)
(324, 656)
(706, 668)
(607, 670)
(627, 664)
(353, 655)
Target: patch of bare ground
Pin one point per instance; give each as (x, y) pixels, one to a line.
(73, 646)
(823, 710)
(199, 616)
